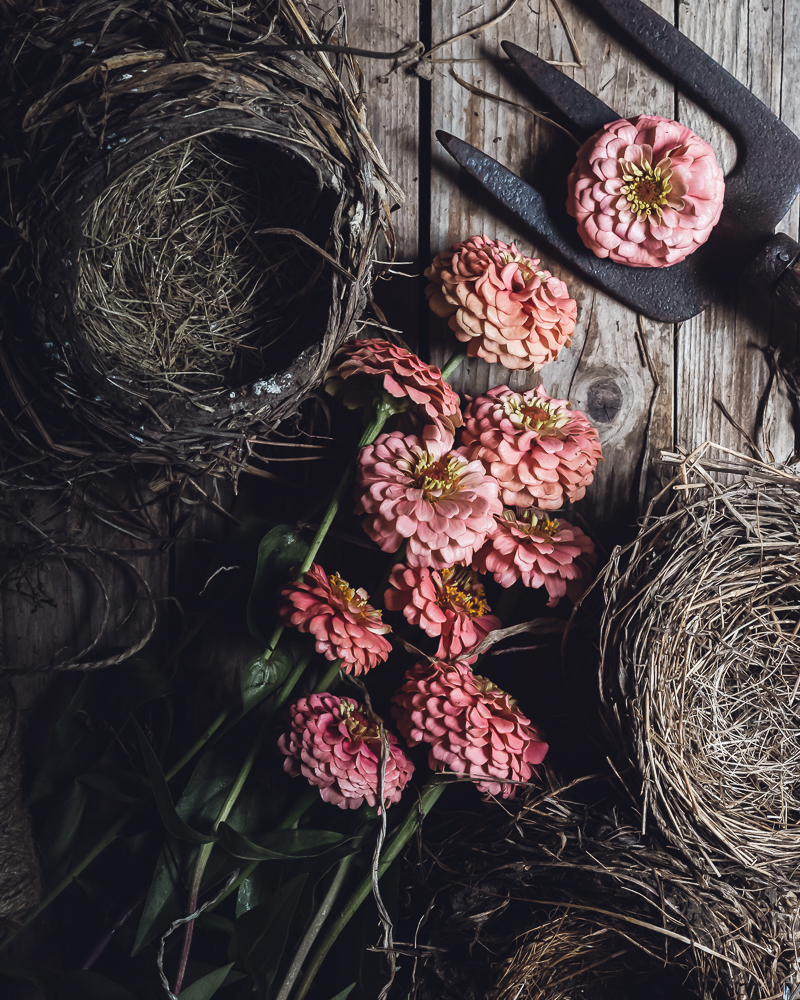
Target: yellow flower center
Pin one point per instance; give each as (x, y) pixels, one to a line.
(645, 188)
(525, 269)
(356, 603)
(462, 590)
(436, 475)
(534, 524)
(537, 415)
(358, 725)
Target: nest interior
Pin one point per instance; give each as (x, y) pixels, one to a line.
(701, 667)
(189, 229)
(561, 897)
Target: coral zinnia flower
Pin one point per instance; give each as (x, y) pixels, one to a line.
(449, 603)
(501, 304)
(473, 727)
(543, 552)
(339, 618)
(645, 191)
(421, 490)
(336, 744)
(402, 375)
(541, 452)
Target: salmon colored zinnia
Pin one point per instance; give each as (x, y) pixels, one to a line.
(449, 603)
(336, 745)
(339, 618)
(542, 453)
(359, 366)
(541, 551)
(501, 304)
(645, 192)
(473, 728)
(423, 491)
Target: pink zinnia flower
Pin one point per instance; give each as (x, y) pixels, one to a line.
(501, 303)
(339, 618)
(541, 452)
(541, 551)
(401, 374)
(421, 490)
(336, 745)
(450, 603)
(473, 727)
(645, 191)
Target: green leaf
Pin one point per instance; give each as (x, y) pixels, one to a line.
(105, 785)
(280, 844)
(176, 827)
(79, 739)
(206, 987)
(263, 675)
(61, 830)
(279, 550)
(85, 985)
(345, 993)
(262, 932)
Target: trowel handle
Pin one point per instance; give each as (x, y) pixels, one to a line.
(778, 267)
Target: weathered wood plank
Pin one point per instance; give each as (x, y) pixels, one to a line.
(720, 354)
(606, 371)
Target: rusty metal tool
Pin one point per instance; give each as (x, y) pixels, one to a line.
(758, 191)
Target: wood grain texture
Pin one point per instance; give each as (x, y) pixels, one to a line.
(720, 355)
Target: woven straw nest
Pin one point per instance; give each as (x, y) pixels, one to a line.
(701, 664)
(189, 227)
(557, 900)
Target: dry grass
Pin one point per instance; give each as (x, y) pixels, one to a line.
(176, 290)
(701, 666)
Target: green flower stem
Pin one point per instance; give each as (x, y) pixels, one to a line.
(383, 411)
(320, 917)
(327, 678)
(452, 363)
(198, 745)
(430, 793)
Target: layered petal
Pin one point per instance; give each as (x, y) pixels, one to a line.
(542, 552)
(422, 490)
(336, 745)
(472, 727)
(645, 191)
(541, 453)
(501, 304)
(339, 618)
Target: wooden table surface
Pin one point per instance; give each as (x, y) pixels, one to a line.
(647, 386)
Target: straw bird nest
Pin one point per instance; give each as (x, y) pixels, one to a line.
(188, 230)
(701, 664)
(557, 899)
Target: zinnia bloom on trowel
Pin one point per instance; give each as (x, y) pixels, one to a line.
(645, 191)
(501, 304)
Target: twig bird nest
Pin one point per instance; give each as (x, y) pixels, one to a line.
(556, 899)
(701, 664)
(189, 226)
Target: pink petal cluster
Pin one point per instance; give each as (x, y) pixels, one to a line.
(339, 618)
(541, 452)
(501, 304)
(402, 375)
(645, 191)
(336, 745)
(473, 728)
(422, 491)
(542, 552)
(449, 603)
